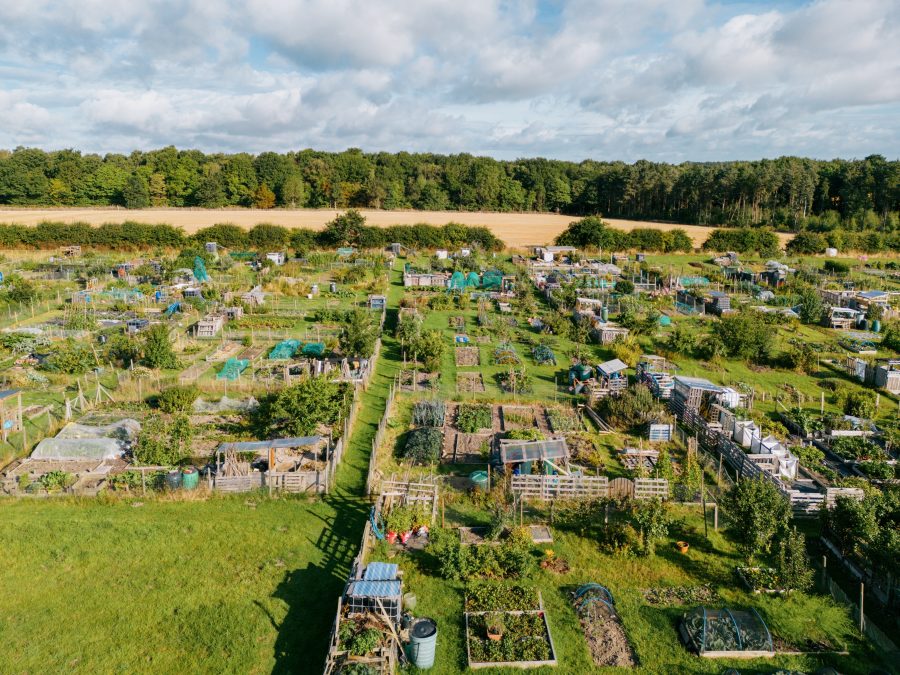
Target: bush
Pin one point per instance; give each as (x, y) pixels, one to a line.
(304, 408)
(424, 445)
(177, 399)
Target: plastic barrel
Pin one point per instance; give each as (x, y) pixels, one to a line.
(190, 478)
(479, 479)
(173, 480)
(876, 326)
(604, 314)
(665, 320)
(422, 643)
(332, 287)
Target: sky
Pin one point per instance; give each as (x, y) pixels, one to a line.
(663, 80)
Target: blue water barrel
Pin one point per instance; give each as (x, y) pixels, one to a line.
(665, 320)
(422, 643)
(876, 326)
(173, 480)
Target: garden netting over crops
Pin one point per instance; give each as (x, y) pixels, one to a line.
(225, 404)
(232, 369)
(78, 449)
(724, 630)
(313, 349)
(285, 349)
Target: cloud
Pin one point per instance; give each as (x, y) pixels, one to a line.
(609, 79)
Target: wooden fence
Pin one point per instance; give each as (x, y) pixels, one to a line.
(372, 477)
(547, 488)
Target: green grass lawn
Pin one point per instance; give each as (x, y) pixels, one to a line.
(242, 584)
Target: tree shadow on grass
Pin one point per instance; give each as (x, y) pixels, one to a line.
(311, 593)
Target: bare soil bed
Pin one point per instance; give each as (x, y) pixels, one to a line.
(605, 637)
(467, 383)
(467, 357)
(414, 380)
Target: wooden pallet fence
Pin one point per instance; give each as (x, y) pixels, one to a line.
(651, 488)
(560, 487)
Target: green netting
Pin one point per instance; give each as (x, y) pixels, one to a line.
(243, 255)
(285, 349)
(200, 273)
(492, 279)
(126, 294)
(693, 281)
(457, 281)
(232, 368)
(313, 349)
(473, 280)
(720, 631)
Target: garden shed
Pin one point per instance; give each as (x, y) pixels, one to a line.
(726, 633)
(612, 377)
(520, 456)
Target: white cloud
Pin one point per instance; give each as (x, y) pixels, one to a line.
(566, 78)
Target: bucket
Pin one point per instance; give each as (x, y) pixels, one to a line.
(479, 479)
(190, 478)
(422, 643)
(173, 480)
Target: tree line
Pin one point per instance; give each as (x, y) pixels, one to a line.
(348, 229)
(787, 193)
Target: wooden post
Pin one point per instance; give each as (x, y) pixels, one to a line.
(862, 615)
(442, 511)
(489, 478)
(822, 403)
(825, 571)
(143, 482)
(716, 517)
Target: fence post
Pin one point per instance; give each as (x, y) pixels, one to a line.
(862, 615)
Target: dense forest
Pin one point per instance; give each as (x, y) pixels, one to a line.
(787, 193)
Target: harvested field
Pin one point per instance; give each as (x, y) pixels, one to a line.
(467, 356)
(516, 229)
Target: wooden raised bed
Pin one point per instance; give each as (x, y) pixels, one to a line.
(476, 665)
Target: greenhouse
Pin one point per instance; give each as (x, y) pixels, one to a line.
(726, 633)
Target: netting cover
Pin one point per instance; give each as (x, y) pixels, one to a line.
(313, 349)
(285, 349)
(123, 430)
(492, 280)
(457, 281)
(233, 368)
(473, 280)
(200, 273)
(225, 404)
(78, 449)
(712, 631)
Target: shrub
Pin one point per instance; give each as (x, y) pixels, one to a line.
(757, 511)
(424, 445)
(177, 399)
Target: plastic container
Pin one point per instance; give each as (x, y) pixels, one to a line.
(422, 643)
(332, 287)
(173, 480)
(479, 479)
(190, 478)
(665, 320)
(604, 314)
(876, 326)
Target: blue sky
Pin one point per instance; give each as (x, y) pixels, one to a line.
(600, 79)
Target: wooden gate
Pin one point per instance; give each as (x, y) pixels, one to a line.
(621, 488)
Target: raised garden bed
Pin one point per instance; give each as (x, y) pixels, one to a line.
(564, 419)
(467, 383)
(467, 356)
(412, 380)
(524, 639)
(474, 417)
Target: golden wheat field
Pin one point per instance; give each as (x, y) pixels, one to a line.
(516, 229)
